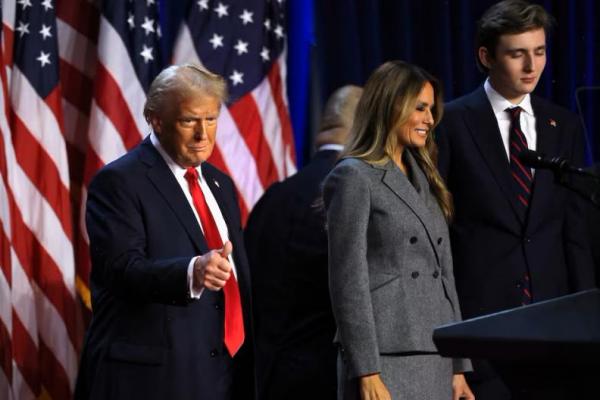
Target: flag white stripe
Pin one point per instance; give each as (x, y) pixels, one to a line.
(115, 58)
(271, 124)
(104, 138)
(238, 158)
(53, 332)
(40, 122)
(22, 299)
(21, 390)
(75, 125)
(76, 49)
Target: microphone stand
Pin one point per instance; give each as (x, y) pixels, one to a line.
(589, 188)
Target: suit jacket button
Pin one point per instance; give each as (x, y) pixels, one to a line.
(436, 274)
(217, 307)
(415, 274)
(440, 240)
(213, 353)
(413, 240)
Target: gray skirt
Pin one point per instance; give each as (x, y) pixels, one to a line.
(414, 377)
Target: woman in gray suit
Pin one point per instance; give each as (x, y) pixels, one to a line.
(390, 264)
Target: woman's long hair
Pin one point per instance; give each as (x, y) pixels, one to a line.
(389, 98)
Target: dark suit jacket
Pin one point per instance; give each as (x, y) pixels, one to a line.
(147, 339)
(287, 251)
(492, 247)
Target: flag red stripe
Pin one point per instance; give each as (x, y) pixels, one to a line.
(246, 116)
(53, 376)
(81, 15)
(54, 103)
(110, 99)
(6, 266)
(5, 351)
(9, 39)
(284, 118)
(42, 171)
(41, 268)
(77, 88)
(92, 164)
(217, 160)
(25, 354)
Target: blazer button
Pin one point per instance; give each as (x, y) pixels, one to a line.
(440, 240)
(436, 274)
(413, 240)
(217, 306)
(415, 274)
(213, 353)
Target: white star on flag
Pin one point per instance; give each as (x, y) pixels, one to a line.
(130, 21)
(203, 4)
(22, 29)
(267, 24)
(222, 10)
(148, 25)
(25, 3)
(45, 32)
(278, 31)
(236, 77)
(241, 47)
(216, 41)
(44, 58)
(47, 4)
(246, 17)
(264, 54)
(147, 54)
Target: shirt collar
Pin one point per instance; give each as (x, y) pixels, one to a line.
(500, 104)
(175, 168)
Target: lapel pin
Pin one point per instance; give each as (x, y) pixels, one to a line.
(552, 123)
(217, 184)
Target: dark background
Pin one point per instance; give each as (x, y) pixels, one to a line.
(336, 42)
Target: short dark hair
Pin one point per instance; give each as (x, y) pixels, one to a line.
(508, 17)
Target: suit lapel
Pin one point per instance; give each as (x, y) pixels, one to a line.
(399, 184)
(163, 180)
(547, 142)
(483, 127)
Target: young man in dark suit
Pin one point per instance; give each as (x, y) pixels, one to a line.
(170, 283)
(517, 236)
(287, 251)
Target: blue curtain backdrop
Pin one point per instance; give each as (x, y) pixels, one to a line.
(350, 38)
(353, 37)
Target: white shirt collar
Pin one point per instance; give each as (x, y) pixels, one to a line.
(175, 168)
(500, 104)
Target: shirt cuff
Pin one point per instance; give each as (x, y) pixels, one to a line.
(194, 294)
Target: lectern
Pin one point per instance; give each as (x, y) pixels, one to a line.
(550, 347)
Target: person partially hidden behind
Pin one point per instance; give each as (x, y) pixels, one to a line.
(517, 236)
(287, 251)
(390, 264)
(170, 283)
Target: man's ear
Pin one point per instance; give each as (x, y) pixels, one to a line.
(485, 57)
(155, 123)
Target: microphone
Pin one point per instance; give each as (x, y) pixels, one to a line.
(533, 159)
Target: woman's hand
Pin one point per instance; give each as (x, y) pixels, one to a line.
(372, 388)
(460, 389)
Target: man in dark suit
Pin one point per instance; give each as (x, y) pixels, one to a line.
(287, 250)
(170, 281)
(517, 236)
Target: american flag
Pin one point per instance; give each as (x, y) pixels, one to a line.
(244, 41)
(73, 79)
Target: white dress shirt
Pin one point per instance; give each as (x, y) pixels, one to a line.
(526, 119)
(179, 173)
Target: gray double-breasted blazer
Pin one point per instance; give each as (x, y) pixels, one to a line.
(390, 265)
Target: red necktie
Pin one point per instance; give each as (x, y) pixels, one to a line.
(522, 180)
(234, 321)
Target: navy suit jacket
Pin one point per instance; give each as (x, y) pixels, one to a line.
(492, 247)
(147, 338)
